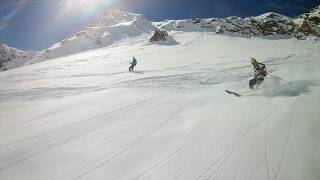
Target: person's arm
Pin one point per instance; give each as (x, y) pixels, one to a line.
(262, 69)
(261, 66)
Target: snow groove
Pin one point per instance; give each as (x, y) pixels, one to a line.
(208, 150)
(227, 156)
(243, 137)
(135, 142)
(171, 156)
(239, 142)
(44, 121)
(116, 112)
(234, 145)
(68, 133)
(266, 145)
(288, 139)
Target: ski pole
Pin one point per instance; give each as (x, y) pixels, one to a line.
(279, 78)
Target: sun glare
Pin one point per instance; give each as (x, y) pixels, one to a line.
(67, 14)
(79, 8)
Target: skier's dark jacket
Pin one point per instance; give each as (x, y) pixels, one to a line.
(260, 71)
(134, 62)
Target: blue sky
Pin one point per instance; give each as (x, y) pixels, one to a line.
(37, 24)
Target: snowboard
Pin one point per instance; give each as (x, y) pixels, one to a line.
(233, 93)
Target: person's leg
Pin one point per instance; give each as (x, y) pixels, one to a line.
(130, 68)
(252, 82)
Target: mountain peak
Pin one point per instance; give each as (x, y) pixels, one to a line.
(113, 27)
(316, 10)
(273, 15)
(113, 17)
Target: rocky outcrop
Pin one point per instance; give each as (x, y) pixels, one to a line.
(11, 57)
(268, 24)
(159, 35)
(308, 24)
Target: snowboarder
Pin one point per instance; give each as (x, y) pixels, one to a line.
(133, 63)
(260, 73)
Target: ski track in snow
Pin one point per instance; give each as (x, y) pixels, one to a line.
(85, 127)
(141, 138)
(171, 119)
(266, 140)
(181, 148)
(208, 151)
(243, 137)
(287, 141)
(230, 150)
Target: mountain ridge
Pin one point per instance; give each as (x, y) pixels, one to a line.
(265, 25)
(116, 26)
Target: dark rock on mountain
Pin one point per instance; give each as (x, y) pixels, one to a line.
(265, 25)
(159, 35)
(11, 57)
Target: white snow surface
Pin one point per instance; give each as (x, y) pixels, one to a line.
(86, 117)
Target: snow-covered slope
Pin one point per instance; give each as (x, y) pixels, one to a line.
(112, 28)
(86, 117)
(11, 57)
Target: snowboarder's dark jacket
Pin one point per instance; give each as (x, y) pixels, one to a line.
(134, 62)
(259, 71)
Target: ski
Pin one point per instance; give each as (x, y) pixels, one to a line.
(234, 93)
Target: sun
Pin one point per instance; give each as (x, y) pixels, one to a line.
(66, 15)
(80, 8)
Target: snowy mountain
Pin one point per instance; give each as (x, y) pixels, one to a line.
(118, 27)
(266, 25)
(308, 23)
(114, 27)
(11, 57)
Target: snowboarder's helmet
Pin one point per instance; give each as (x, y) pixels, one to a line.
(253, 60)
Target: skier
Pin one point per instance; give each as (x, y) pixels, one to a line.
(260, 73)
(133, 63)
